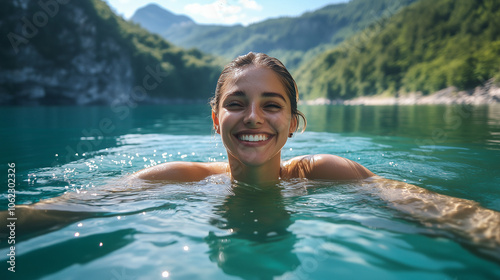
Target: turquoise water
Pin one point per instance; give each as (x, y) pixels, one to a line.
(218, 230)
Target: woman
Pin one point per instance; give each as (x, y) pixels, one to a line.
(255, 110)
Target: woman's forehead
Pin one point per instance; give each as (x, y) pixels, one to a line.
(253, 78)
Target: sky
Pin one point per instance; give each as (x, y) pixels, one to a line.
(225, 11)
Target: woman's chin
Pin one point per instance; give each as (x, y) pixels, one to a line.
(253, 159)
(255, 162)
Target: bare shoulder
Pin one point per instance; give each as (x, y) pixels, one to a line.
(181, 171)
(326, 167)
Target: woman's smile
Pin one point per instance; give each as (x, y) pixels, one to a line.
(254, 139)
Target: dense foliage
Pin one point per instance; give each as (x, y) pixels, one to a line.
(342, 51)
(191, 74)
(428, 46)
(185, 74)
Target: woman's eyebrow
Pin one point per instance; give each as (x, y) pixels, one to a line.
(236, 93)
(239, 93)
(273, 94)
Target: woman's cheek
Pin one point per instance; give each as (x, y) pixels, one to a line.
(283, 125)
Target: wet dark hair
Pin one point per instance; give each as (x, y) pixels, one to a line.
(261, 60)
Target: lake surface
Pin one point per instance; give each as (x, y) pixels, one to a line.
(214, 229)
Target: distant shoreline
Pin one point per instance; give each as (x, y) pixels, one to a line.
(487, 94)
(484, 95)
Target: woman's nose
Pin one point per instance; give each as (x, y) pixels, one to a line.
(253, 115)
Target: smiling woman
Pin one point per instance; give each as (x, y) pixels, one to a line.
(255, 111)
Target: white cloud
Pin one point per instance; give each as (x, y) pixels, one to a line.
(222, 12)
(250, 4)
(217, 11)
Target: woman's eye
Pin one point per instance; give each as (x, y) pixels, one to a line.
(233, 105)
(273, 106)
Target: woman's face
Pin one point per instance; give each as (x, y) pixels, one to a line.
(254, 118)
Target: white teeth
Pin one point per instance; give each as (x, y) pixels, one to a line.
(253, 137)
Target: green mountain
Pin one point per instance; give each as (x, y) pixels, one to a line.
(156, 19)
(428, 46)
(291, 39)
(80, 52)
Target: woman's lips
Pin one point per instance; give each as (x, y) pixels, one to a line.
(253, 139)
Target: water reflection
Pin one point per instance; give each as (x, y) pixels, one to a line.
(449, 124)
(258, 243)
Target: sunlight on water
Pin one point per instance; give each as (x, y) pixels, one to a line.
(120, 229)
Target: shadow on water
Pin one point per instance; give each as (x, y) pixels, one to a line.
(259, 244)
(45, 261)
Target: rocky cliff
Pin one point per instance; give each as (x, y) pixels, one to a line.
(61, 52)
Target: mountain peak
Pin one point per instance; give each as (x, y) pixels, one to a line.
(156, 18)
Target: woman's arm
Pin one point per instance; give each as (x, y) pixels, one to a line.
(463, 218)
(57, 212)
(31, 219)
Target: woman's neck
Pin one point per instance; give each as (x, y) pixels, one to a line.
(262, 174)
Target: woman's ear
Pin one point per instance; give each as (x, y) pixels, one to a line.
(293, 125)
(215, 119)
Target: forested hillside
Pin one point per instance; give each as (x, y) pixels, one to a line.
(292, 39)
(428, 46)
(82, 53)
